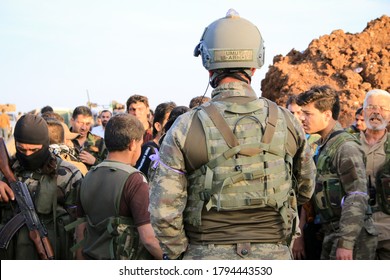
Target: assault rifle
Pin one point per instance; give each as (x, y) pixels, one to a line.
(27, 214)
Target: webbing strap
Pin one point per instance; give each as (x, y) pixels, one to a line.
(228, 134)
(275, 201)
(271, 122)
(387, 147)
(291, 146)
(221, 124)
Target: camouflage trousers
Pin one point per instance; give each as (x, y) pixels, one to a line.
(383, 250)
(239, 251)
(364, 248)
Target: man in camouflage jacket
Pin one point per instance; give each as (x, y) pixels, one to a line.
(340, 196)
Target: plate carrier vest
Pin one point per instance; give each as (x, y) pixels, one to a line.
(328, 190)
(249, 158)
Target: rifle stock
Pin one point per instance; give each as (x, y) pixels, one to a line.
(37, 231)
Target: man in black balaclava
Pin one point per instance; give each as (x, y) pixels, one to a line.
(32, 141)
(53, 184)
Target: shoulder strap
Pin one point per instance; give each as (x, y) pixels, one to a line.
(112, 164)
(387, 147)
(336, 144)
(271, 121)
(221, 124)
(292, 140)
(228, 134)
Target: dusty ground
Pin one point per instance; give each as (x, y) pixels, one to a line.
(351, 63)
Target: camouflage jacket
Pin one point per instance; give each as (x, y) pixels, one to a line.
(55, 200)
(169, 193)
(93, 145)
(348, 165)
(376, 158)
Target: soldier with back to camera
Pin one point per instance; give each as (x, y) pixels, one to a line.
(232, 170)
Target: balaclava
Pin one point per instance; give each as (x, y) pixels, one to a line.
(32, 129)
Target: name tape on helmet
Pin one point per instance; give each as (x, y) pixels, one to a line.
(233, 55)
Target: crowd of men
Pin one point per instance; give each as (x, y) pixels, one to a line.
(229, 177)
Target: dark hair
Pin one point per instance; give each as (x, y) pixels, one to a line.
(52, 115)
(105, 111)
(137, 98)
(175, 113)
(198, 100)
(323, 97)
(160, 112)
(81, 110)
(359, 111)
(46, 109)
(121, 129)
(292, 99)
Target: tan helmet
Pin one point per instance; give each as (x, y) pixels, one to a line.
(231, 42)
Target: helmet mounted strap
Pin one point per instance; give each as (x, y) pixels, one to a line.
(220, 74)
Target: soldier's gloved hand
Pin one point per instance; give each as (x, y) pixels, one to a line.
(6, 193)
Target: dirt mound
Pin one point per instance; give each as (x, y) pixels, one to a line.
(351, 63)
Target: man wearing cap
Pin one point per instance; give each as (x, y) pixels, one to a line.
(53, 184)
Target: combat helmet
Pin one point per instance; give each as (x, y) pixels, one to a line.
(231, 42)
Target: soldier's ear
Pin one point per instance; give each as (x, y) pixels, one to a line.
(328, 114)
(132, 145)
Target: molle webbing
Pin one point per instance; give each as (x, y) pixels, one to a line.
(244, 175)
(328, 190)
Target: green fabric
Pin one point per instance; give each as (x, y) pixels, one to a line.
(246, 175)
(329, 191)
(108, 235)
(383, 181)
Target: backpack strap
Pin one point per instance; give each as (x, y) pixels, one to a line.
(221, 124)
(271, 122)
(292, 140)
(338, 143)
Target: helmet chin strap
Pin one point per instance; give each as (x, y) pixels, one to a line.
(219, 75)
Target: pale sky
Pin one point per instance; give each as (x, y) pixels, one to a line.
(53, 52)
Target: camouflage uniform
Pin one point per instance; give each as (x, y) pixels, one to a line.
(351, 225)
(170, 191)
(63, 187)
(93, 145)
(376, 157)
(352, 129)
